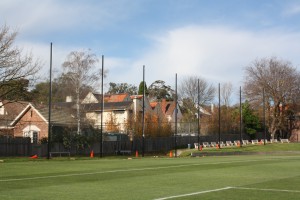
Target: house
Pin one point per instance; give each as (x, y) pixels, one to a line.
(26, 120)
(168, 109)
(119, 109)
(8, 112)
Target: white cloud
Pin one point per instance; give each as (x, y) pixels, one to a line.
(218, 54)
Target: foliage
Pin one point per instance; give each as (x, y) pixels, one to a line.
(60, 89)
(141, 88)
(119, 88)
(15, 90)
(159, 90)
(250, 119)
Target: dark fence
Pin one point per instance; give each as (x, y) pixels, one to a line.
(24, 147)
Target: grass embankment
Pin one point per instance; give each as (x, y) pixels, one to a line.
(268, 148)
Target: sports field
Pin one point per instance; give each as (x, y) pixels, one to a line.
(231, 177)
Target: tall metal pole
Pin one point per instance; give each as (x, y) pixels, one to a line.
(175, 134)
(102, 109)
(241, 119)
(143, 122)
(50, 102)
(199, 115)
(264, 110)
(219, 116)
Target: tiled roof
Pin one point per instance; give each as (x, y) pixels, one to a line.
(153, 104)
(136, 96)
(111, 97)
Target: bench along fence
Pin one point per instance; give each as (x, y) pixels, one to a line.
(24, 147)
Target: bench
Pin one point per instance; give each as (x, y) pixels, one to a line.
(60, 154)
(245, 142)
(229, 143)
(284, 141)
(123, 152)
(273, 140)
(213, 144)
(237, 143)
(206, 144)
(222, 144)
(254, 141)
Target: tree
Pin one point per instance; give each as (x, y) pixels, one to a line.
(80, 71)
(226, 92)
(119, 88)
(141, 88)
(159, 90)
(280, 80)
(251, 121)
(188, 94)
(17, 70)
(60, 89)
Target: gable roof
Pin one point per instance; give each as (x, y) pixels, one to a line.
(10, 111)
(58, 116)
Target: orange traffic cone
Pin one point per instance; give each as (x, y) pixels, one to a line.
(171, 154)
(136, 154)
(34, 157)
(200, 147)
(217, 146)
(92, 154)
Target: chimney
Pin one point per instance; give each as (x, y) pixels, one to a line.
(69, 99)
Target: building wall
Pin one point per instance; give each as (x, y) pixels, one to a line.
(31, 117)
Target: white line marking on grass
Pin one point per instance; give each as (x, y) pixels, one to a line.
(133, 169)
(194, 193)
(261, 189)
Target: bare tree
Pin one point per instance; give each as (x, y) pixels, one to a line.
(226, 92)
(16, 69)
(188, 89)
(188, 94)
(80, 69)
(280, 80)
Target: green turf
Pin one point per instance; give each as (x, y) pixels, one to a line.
(152, 178)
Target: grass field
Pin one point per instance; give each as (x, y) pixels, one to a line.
(222, 177)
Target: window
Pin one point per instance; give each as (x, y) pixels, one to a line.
(32, 132)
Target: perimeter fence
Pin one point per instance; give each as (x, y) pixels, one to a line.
(24, 147)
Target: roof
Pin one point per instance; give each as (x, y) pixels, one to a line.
(58, 116)
(167, 107)
(111, 97)
(11, 111)
(108, 106)
(61, 116)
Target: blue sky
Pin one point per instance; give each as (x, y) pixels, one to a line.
(214, 39)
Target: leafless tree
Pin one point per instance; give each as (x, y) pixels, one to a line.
(188, 94)
(226, 92)
(188, 88)
(280, 80)
(15, 66)
(80, 69)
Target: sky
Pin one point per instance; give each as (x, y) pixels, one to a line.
(211, 39)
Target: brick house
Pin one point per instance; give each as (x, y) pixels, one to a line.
(30, 123)
(23, 119)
